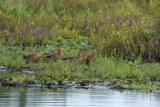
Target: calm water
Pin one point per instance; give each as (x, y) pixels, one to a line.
(73, 97)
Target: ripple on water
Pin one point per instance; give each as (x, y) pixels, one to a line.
(3, 68)
(75, 97)
(16, 70)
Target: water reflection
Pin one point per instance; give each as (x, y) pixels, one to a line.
(44, 97)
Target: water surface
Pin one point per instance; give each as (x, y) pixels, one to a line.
(75, 97)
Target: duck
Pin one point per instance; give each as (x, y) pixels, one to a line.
(33, 57)
(84, 57)
(56, 56)
(94, 56)
(78, 58)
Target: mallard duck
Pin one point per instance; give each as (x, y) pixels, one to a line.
(76, 58)
(93, 57)
(33, 57)
(84, 57)
(56, 56)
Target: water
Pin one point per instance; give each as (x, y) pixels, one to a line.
(74, 97)
(5, 69)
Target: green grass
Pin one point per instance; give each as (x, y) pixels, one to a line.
(53, 72)
(116, 26)
(123, 29)
(141, 86)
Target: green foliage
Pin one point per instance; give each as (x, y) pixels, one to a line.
(140, 86)
(127, 29)
(63, 72)
(154, 3)
(120, 28)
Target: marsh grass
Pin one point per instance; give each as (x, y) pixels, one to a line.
(124, 30)
(141, 86)
(63, 72)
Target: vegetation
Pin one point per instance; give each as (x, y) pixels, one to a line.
(104, 70)
(124, 30)
(127, 28)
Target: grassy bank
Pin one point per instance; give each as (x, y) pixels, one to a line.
(105, 70)
(124, 30)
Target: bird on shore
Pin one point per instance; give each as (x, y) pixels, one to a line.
(33, 57)
(84, 57)
(55, 56)
(93, 57)
(76, 58)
